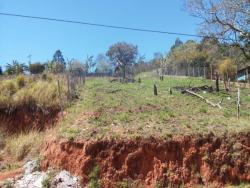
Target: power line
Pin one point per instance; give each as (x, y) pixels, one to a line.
(104, 25)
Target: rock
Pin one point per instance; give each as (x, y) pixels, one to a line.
(7, 183)
(64, 180)
(31, 166)
(33, 180)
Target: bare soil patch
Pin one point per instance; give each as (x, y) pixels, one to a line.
(25, 118)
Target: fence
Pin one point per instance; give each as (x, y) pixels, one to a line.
(194, 71)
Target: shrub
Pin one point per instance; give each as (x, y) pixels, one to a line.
(44, 77)
(20, 81)
(36, 68)
(23, 144)
(8, 88)
(94, 181)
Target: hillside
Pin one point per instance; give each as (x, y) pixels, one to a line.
(128, 136)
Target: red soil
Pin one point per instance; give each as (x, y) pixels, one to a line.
(189, 160)
(11, 174)
(26, 119)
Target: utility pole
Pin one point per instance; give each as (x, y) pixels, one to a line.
(29, 58)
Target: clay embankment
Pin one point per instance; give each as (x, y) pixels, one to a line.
(188, 160)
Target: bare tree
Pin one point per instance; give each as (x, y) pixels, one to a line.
(228, 20)
(89, 63)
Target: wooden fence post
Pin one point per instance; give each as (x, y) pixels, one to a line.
(155, 90)
(60, 99)
(68, 85)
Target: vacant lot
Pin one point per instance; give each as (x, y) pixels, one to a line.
(114, 109)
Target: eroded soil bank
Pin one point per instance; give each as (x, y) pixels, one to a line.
(178, 161)
(26, 118)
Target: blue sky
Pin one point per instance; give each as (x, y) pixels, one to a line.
(20, 37)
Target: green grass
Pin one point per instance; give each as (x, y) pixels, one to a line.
(130, 110)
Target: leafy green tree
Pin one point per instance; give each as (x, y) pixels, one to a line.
(16, 68)
(59, 62)
(186, 54)
(211, 48)
(177, 44)
(123, 55)
(227, 69)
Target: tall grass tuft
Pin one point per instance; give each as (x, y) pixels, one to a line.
(20, 146)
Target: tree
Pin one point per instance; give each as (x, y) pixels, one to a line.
(59, 62)
(186, 54)
(1, 71)
(224, 19)
(102, 64)
(123, 55)
(227, 69)
(36, 68)
(76, 67)
(177, 43)
(15, 68)
(89, 63)
(211, 48)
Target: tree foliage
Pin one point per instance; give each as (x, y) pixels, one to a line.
(227, 68)
(15, 68)
(36, 68)
(122, 55)
(76, 67)
(59, 63)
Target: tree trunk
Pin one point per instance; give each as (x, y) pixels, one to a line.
(193, 71)
(124, 72)
(247, 76)
(211, 69)
(217, 82)
(204, 71)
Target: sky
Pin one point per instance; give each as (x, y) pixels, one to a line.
(21, 37)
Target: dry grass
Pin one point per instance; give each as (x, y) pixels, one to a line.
(23, 145)
(25, 90)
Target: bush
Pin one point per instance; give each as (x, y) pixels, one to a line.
(36, 68)
(8, 88)
(22, 145)
(20, 81)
